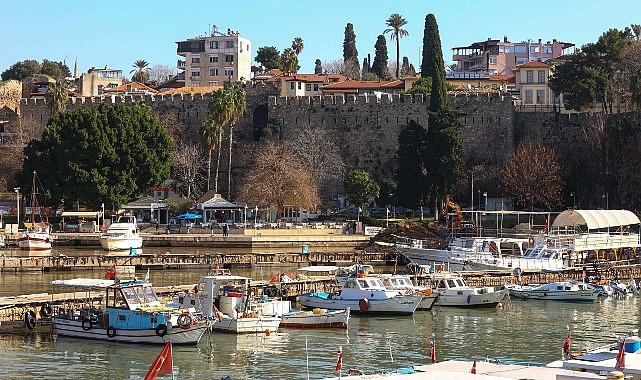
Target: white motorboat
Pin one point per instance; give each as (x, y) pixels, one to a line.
(37, 236)
(225, 300)
(130, 313)
(365, 295)
(452, 290)
(622, 355)
(403, 282)
(317, 318)
(122, 235)
(571, 290)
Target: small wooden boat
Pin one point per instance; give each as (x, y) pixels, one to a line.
(317, 318)
(452, 290)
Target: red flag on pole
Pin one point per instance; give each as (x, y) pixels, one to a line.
(474, 367)
(566, 345)
(433, 349)
(339, 363)
(111, 273)
(163, 365)
(620, 366)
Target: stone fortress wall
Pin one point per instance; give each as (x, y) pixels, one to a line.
(365, 128)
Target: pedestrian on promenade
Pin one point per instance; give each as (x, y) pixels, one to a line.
(157, 225)
(211, 226)
(225, 230)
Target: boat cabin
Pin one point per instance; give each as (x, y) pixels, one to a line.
(132, 295)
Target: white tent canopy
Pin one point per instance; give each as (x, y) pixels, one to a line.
(596, 219)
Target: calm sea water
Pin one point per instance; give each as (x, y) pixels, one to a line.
(522, 331)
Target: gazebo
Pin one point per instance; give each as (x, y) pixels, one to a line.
(215, 207)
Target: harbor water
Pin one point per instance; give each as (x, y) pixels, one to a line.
(520, 332)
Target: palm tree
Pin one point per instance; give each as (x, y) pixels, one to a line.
(636, 29)
(140, 68)
(56, 97)
(297, 45)
(210, 131)
(289, 60)
(237, 109)
(396, 23)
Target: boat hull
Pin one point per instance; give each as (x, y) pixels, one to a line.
(175, 335)
(402, 305)
(34, 242)
(568, 296)
(488, 299)
(120, 243)
(247, 325)
(309, 320)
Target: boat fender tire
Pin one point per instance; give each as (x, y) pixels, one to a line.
(185, 320)
(363, 305)
(284, 292)
(46, 311)
(29, 319)
(517, 272)
(550, 243)
(161, 330)
(87, 324)
(111, 331)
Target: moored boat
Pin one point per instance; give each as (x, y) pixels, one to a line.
(452, 290)
(570, 290)
(122, 235)
(130, 313)
(37, 236)
(403, 282)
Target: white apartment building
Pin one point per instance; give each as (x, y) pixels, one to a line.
(215, 59)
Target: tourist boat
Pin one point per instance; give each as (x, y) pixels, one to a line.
(452, 290)
(225, 300)
(122, 235)
(623, 355)
(570, 290)
(37, 236)
(403, 282)
(130, 312)
(365, 295)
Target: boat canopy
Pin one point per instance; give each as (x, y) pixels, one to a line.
(596, 219)
(84, 283)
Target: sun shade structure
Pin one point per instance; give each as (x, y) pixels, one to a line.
(596, 219)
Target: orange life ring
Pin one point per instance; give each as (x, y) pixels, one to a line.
(531, 241)
(550, 243)
(185, 320)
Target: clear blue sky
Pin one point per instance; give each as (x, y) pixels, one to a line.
(116, 32)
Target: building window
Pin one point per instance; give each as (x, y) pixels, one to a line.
(501, 49)
(509, 49)
(229, 44)
(195, 60)
(492, 60)
(308, 87)
(213, 71)
(229, 58)
(213, 59)
(534, 49)
(300, 85)
(520, 49)
(213, 83)
(540, 97)
(529, 76)
(528, 96)
(213, 44)
(521, 60)
(541, 74)
(315, 87)
(547, 49)
(291, 85)
(195, 73)
(229, 72)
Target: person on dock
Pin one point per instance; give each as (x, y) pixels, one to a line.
(225, 230)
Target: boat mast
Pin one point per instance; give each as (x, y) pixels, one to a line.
(33, 201)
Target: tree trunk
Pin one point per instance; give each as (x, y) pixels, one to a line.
(209, 169)
(231, 134)
(220, 139)
(398, 52)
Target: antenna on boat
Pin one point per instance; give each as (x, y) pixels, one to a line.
(306, 355)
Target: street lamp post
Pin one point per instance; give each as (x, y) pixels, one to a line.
(245, 223)
(387, 218)
(573, 200)
(606, 196)
(255, 219)
(485, 195)
(17, 190)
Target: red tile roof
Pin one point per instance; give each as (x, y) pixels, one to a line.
(132, 86)
(533, 65)
(192, 90)
(363, 85)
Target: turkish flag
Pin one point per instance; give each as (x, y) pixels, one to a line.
(433, 352)
(111, 273)
(339, 363)
(566, 345)
(620, 366)
(163, 365)
(474, 367)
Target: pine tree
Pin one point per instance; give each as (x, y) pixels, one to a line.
(379, 66)
(350, 54)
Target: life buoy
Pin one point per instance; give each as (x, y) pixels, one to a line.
(185, 320)
(111, 331)
(87, 324)
(46, 310)
(531, 241)
(161, 330)
(363, 305)
(550, 243)
(29, 319)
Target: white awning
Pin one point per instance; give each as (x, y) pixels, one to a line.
(596, 219)
(84, 283)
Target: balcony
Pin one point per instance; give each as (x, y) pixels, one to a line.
(181, 64)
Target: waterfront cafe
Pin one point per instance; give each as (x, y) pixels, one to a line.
(215, 208)
(147, 210)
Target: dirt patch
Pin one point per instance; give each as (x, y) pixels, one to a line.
(428, 231)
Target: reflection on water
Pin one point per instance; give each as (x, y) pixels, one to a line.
(523, 331)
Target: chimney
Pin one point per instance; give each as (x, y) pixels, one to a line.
(505, 39)
(539, 41)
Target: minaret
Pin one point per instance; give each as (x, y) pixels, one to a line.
(75, 69)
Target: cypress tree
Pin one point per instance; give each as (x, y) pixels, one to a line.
(350, 54)
(379, 66)
(433, 65)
